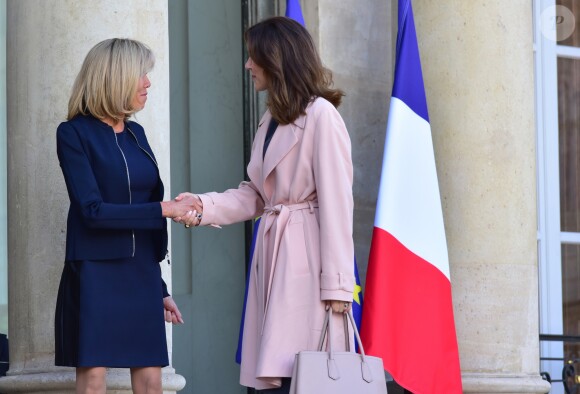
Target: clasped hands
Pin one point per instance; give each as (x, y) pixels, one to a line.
(186, 209)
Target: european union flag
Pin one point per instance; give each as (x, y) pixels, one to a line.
(294, 11)
(357, 301)
(241, 335)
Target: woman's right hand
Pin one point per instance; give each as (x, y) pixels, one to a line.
(338, 306)
(192, 217)
(172, 313)
(181, 205)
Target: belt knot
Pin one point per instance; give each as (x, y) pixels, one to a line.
(275, 210)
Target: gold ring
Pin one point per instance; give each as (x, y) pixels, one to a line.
(187, 226)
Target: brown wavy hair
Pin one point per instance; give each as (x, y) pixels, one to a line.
(294, 73)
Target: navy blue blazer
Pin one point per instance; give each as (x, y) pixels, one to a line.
(101, 218)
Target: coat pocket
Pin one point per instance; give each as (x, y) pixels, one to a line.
(296, 248)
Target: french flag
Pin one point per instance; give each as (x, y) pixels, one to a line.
(408, 314)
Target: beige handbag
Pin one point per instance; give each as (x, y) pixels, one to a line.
(318, 372)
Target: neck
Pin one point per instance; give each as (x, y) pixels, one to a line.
(117, 125)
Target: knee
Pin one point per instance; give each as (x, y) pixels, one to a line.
(152, 383)
(91, 380)
(146, 380)
(154, 386)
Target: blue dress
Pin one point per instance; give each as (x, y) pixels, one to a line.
(110, 312)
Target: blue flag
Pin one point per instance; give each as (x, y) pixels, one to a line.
(241, 335)
(357, 301)
(293, 11)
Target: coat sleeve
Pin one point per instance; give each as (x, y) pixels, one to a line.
(232, 206)
(84, 191)
(333, 176)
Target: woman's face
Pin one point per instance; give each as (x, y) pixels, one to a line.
(140, 97)
(258, 76)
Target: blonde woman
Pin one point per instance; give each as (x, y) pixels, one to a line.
(112, 301)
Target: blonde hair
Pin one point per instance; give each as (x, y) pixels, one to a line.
(108, 79)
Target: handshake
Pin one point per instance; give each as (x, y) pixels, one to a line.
(186, 208)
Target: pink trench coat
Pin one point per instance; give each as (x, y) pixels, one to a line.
(304, 250)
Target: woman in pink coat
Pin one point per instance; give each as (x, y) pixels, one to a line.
(300, 175)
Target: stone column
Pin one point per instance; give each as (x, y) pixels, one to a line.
(46, 43)
(479, 74)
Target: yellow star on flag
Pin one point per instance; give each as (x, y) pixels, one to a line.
(355, 293)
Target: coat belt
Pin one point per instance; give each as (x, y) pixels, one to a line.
(280, 215)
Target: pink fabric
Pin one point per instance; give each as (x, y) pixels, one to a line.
(304, 250)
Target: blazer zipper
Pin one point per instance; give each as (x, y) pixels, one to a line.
(156, 165)
(143, 149)
(129, 184)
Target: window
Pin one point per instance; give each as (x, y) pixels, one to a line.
(557, 65)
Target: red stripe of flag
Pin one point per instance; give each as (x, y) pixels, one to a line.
(412, 316)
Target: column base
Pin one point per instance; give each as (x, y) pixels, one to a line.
(62, 381)
(483, 383)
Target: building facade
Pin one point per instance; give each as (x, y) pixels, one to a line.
(501, 96)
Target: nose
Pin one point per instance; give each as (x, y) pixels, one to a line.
(147, 82)
(248, 64)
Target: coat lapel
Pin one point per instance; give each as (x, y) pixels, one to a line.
(255, 165)
(284, 139)
(282, 142)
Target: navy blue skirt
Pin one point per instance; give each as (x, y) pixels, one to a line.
(110, 314)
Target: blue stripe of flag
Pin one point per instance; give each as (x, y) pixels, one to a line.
(408, 84)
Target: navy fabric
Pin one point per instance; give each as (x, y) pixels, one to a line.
(101, 217)
(110, 310)
(269, 134)
(3, 354)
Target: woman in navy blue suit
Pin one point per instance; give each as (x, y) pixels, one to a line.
(112, 301)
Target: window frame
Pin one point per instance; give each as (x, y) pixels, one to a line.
(550, 237)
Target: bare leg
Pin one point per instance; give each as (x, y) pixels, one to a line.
(146, 380)
(91, 380)
(284, 389)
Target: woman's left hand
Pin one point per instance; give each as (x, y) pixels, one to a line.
(339, 306)
(172, 314)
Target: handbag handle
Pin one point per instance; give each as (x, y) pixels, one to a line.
(327, 317)
(326, 326)
(333, 371)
